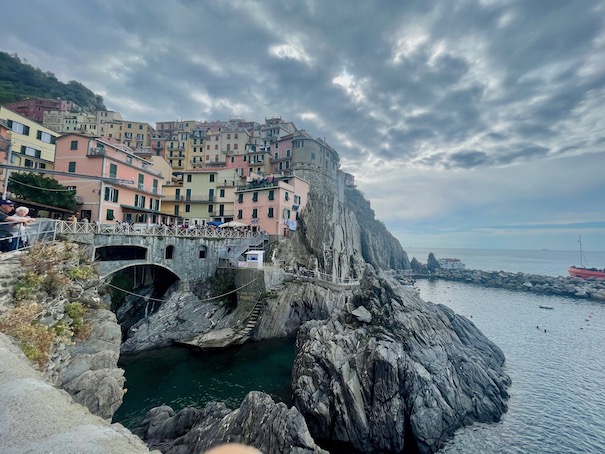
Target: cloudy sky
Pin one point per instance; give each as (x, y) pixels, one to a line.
(467, 123)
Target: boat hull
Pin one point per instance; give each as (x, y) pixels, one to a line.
(586, 273)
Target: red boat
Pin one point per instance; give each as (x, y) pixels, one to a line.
(586, 273)
(581, 271)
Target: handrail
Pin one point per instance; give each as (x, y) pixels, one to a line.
(42, 230)
(153, 230)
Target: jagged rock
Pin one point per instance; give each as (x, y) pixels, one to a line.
(407, 380)
(432, 264)
(259, 422)
(362, 314)
(416, 266)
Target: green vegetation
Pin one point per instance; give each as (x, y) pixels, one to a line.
(19, 80)
(27, 186)
(49, 269)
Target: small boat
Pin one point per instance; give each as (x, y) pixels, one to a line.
(582, 271)
(546, 307)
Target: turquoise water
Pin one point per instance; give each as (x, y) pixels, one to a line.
(558, 375)
(182, 377)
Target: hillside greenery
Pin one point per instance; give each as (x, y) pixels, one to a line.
(19, 80)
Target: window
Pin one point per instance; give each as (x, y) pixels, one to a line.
(18, 127)
(287, 196)
(221, 193)
(276, 145)
(113, 171)
(235, 146)
(45, 137)
(177, 194)
(240, 214)
(176, 210)
(240, 198)
(155, 186)
(313, 156)
(71, 167)
(288, 153)
(141, 181)
(129, 125)
(211, 194)
(169, 252)
(216, 147)
(29, 151)
(270, 213)
(245, 158)
(210, 208)
(228, 136)
(139, 201)
(212, 178)
(140, 126)
(287, 164)
(189, 178)
(111, 195)
(255, 197)
(202, 253)
(232, 159)
(109, 215)
(254, 213)
(188, 194)
(276, 155)
(271, 194)
(187, 208)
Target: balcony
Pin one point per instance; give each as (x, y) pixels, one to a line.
(190, 199)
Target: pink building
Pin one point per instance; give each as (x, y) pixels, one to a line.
(129, 190)
(272, 203)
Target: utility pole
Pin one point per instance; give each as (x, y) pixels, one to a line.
(8, 161)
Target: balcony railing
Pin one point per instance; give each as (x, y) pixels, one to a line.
(192, 198)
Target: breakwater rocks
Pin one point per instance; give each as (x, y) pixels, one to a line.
(547, 285)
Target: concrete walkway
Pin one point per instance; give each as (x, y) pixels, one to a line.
(37, 418)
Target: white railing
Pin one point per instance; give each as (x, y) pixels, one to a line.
(67, 227)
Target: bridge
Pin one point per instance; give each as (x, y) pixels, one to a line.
(188, 253)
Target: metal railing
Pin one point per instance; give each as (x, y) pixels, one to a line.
(42, 230)
(67, 227)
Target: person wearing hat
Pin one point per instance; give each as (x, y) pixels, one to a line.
(9, 225)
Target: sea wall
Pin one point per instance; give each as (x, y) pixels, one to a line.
(534, 283)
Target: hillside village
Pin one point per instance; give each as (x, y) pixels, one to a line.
(185, 172)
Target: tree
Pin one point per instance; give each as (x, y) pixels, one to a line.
(43, 190)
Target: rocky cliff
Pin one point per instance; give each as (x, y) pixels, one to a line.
(260, 422)
(393, 374)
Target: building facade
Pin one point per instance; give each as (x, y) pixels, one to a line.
(130, 189)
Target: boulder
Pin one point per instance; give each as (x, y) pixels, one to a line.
(405, 381)
(270, 427)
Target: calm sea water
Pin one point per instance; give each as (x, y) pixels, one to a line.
(556, 360)
(543, 262)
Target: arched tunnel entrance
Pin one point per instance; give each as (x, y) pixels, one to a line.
(137, 292)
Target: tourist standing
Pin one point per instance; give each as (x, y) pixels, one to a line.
(8, 226)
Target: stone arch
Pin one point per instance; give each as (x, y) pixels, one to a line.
(169, 252)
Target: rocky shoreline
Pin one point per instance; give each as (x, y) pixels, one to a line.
(593, 289)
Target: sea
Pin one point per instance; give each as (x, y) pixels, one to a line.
(555, 358)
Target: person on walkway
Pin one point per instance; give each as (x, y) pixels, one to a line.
(23, 214)
(8, 226)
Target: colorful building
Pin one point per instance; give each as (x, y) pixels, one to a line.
(130, 189)
(32, 145)
(271, 203)
(34, 108)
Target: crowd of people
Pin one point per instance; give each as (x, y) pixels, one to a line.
(13, 223)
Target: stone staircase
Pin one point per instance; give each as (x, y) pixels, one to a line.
(253, 317)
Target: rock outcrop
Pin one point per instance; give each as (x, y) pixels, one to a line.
(404, 379)
(260, 422)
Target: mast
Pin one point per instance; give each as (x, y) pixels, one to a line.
(581, 254)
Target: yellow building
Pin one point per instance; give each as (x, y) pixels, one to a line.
(207, 195)
(32, 145)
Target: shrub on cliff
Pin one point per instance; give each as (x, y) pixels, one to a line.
(44, 313)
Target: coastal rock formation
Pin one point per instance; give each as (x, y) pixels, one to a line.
(405, 380)
(547, 285)
(260, 422)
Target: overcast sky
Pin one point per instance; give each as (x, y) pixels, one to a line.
(467, 123)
